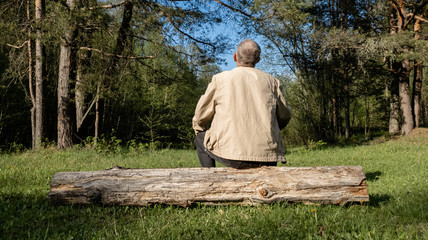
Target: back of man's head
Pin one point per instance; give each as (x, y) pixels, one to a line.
(248, 53)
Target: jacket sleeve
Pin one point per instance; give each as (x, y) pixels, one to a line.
(205, 109)
(283, 111)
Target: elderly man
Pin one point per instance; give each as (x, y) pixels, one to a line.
(246, 110)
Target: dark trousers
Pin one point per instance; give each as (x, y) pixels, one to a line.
(207, 159)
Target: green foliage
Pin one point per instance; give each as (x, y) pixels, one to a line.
(397, 207)
(334, 63)
(316, 145)
(148, 100)
(339, 61)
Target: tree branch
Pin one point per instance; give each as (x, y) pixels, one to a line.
(17, 47)
(234, 9)
(187, 35)
(109, 6)
(115, 55)
(244, 13)
(87, 111)
(398, 7)
(7, 7)
(421, 19)
(167, 46)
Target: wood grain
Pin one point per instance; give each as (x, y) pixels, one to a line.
(212, 186)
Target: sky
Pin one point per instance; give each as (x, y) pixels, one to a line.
(231, 28)
(230, 64)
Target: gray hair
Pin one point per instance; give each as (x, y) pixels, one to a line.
(248, 53)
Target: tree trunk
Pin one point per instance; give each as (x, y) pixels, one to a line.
(394, 112)
(416, 94)
(39, 106)
(367, 120)
(97, 115)
(405, 101)
(346, 78)
(424, 112)
(65, 129)
(30, 79)
(394, 104)
(211, 186)
(417, 81)
(402, 68)
(335, 117)
(347, 106)
(79, 97)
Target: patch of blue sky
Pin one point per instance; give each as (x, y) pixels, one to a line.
(271, 61)
(230, 29)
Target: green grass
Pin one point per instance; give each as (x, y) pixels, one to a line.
(397, 174)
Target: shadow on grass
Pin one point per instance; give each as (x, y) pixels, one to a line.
(34, 217)
(373, 176)
(378, 199)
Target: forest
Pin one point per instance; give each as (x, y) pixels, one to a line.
(130, 72)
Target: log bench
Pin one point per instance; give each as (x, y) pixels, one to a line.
(211, 186)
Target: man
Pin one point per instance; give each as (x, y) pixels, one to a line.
(246, 110)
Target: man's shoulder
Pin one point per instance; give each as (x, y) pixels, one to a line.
(243, 73)
(242, 70)
(225, 73)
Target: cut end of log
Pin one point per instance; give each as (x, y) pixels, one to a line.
(211, 186)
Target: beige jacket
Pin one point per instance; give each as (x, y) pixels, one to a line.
(249, 110)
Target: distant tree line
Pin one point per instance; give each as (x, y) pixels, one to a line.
(81, 70)
(74, 71)
(357, 65)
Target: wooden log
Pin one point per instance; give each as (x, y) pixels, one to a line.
(212, 186)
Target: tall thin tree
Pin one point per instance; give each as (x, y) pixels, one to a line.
(30, 78)
(39, 102)
(417, 75)
(65, 130)
(401, 68)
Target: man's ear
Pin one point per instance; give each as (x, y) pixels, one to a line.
(235, 58)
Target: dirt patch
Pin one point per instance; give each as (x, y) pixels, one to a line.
(415, 134)
(418, 132)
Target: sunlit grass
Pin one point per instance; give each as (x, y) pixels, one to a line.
(397, 174)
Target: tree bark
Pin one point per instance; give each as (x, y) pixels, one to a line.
(394, 112)
(39, 102)
(30, 79)
(367, 120)
(97, 115)
(65, 129)
(417, 95)
(211, 186)
(335, 117)
(417, 80)
(394, 104)
(79, 97)
(405, 101)
(347, 105)
(402, 68)
(123, 33)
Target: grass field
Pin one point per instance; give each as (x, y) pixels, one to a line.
(396, 170)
